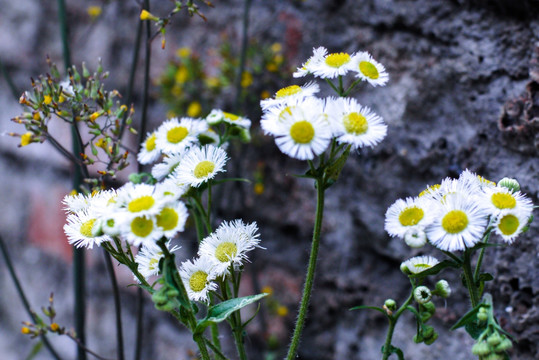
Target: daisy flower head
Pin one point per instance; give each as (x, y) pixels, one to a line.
(418, 264)
(405, 215)
(236, 120)
(148, 258)
(333, 65)
(475, 181)
(172, 218)
(273, 116)
(209, 137)
(215, 117)
(303, 133)
(355, 124)
(229, 245)
(306, 68)
(369, 69)
(165, 168)
(510, 223)
(175, 135)
(198, 276)
(289, 94)
(200, 165)
(82, 229)
(139, 200)
(149, 152)
(170, 189)
(500, 198)
(140, 230)
(76, 202)
(459, 223)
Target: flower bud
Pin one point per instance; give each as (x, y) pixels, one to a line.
(432, 339)
(482, 314)
(510, 184)
(422, 294)
(481, 348)
(506, 344)
(443, 289)
(415, 237)
(404, 269)
(494, 339)
(390, 304)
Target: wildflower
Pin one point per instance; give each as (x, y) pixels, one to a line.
(459, 222)
(500, 198)
(509, 183)
(290, 93)
(183, 52)
(146, 15)
(236, 120)
(333, 65)
(355, 124)
(415, 237)
(404, 215)
(81, 230)
(175, 135)
(418, 264)
(94, 11)
(140, 230)
(165, 168)
(275, 115)
(510, 223)
(307, 67)
(171, 219)
(198, 276)
(26, 139)
(139, 200)
(148, 258)
(200, 165)
(422, 294)
(442, 289)
(216, 116)
(369, 69)
(148, 150)
(194, 109)
(170, 189)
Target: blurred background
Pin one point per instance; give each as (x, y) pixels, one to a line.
(463, 93)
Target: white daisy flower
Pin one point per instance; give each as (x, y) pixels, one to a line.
(170, 189)
(200, 165)
(229, 245)
(81, 229)
(500, 198)
(418, 264)
(355, 124)
(290, 93)
(369, 69)
(306, 68)
(215, 117)
(459, 223)
(333, 65)
(476, 182)
(165, 168)
(209, 137)
(236, 120)
(197, 277)
(139, 199)
(510, 223)
(149, 152)
(111, 222)
(172, 218)
(141, 230)
(148, 259)
(274, 116)
(76, 202)
(174, 135)
(404, 215)
(303, 133)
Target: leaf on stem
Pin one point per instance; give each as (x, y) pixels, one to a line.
(436, 269)
(362, 307)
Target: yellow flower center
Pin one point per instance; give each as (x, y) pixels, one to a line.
(485, 181)
(225, 251)
(429, 190)
(141, 203)
(337, 59)
(194, 109)
(287, 91)
(167, 219)
(150, 143)
(302, 132)
(411, 216)
(369, 70)
(110, 223)
(230, 116)
(285, 112)
(508, 224)
(503, 201)
(422, 266)
(141, 226)
(455, 221)
(197, 281)
(86, 228)
(154, 261)
(177, 134)
(203, 169)
(355, 123)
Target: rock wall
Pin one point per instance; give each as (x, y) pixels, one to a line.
(464, 77)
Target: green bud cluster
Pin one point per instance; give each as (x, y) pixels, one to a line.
(165, 299)
(492, 347)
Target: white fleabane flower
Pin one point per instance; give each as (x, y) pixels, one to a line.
(307, 67)
(200, 165)
(174, 135)
(165, 168)
(81, 229)
(139, 200)
(500, 198)
(215, 117)
(76, 202)
(289, 94)
(148, 258)
(355, 124)
(303, 133)
(415, 237)
(229, 245)
(170, 189)
(148, 150)
(274, 116)
(171, 219)
(237, 120)
(140, 230)
(404, 215)
(510, 223)
(369, 69)
(475, 181)
(459, 223)
(333, 65)
(197, 277)
(418, 264)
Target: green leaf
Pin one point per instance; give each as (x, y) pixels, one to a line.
(138, 178)
(436, 269)
(362, 307)
(334, 170)
(485, 277)
(469, 317)
(223, 310)
(35, 350)
(474, 329)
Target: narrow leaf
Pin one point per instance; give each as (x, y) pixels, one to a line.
(436, 269)
(469, 317)
(362, 307)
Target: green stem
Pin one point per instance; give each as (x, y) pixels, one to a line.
(208, 213)
(468, 276)
(341, 89)
(9, 81)
(351, 87)
(392, 323)
(238, 339)
(199, 339)
(217, 351)
(332, 86)
(309, 280)
(117, 305)
(200, 207)
(480, 258)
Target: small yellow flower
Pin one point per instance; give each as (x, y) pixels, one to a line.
(194, 109)
(25, 330)
(265, 94)
(182, 74)
(26, 139)
(94, 11)
(146, 15)
(259, 188)
(276, 47)
(272, 67)
(102, 143)
(278, 59)
(177, 91)
(47, 99)
(94, 116)
(55, 327)
(183, 52)
(212, 82)
(36, 116)
(267, 289)
(282, 311)
(246, 79)
(61, 99)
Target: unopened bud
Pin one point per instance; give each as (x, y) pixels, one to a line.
(442, 289)
(390, 304)
(510, 184)
(415, 238)
(422, 294)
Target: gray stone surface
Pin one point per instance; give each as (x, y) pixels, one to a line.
(461, 95)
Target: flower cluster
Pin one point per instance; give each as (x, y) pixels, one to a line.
(458, 213)
(304, 125)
